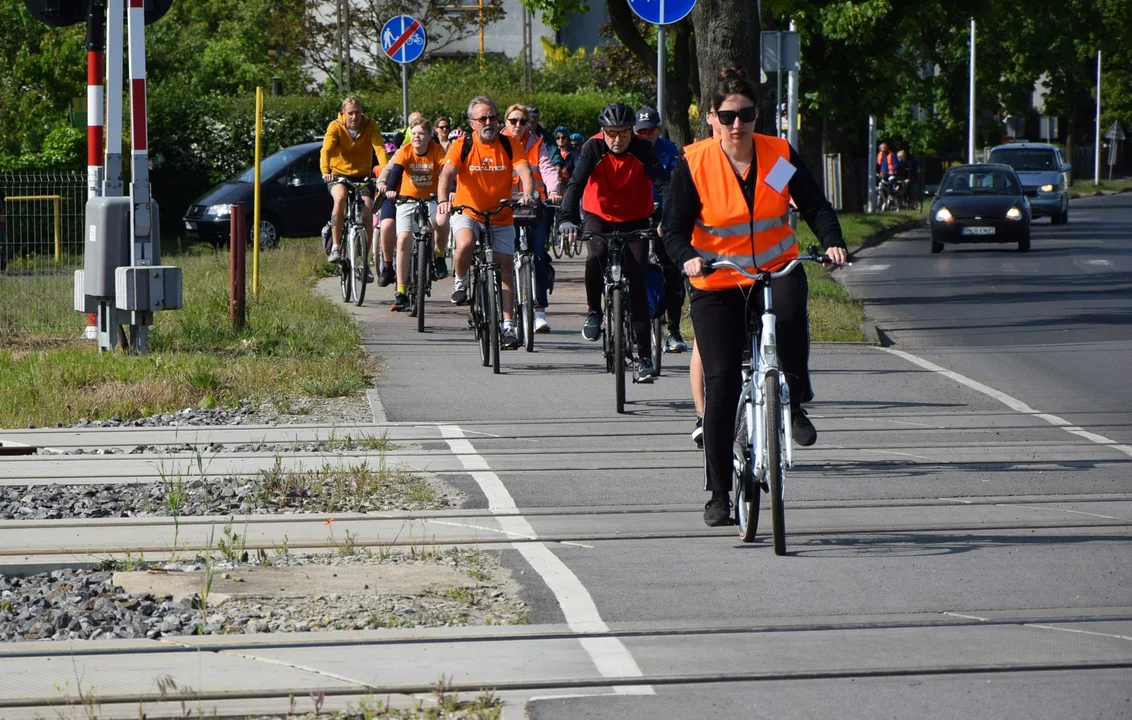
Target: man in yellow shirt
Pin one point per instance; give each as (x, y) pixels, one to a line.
(347, 152)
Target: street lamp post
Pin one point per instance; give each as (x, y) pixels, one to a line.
(971, 102)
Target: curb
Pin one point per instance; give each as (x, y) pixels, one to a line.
(1098, 193)
(883, 235)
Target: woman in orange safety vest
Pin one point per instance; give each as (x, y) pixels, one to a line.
(730, 200)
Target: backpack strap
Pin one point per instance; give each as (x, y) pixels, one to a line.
(466, 150)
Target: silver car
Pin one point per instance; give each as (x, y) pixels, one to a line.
(1040, 167)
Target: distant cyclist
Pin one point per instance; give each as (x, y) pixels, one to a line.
(546, 185)
(542, 132)
(613, 182)
(421, 161)
(347, 151)
(648, 127)
(568, 154)
(481, 165)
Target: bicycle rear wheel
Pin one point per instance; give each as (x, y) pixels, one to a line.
(743, 474)
(527, 304)
(619, 340)
(556, 242)
(775, 462)
(424, 275)
(358, 264)
(494, 303)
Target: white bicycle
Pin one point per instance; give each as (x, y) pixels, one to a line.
(763, 439)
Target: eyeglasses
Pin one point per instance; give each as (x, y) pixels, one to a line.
(614, 134)
(486, 119)
(727, 117)
(517, 121)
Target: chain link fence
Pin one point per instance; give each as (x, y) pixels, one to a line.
(41, 245)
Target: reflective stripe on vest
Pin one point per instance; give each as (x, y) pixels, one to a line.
(744, 228)
(757, 238)
(760, 260)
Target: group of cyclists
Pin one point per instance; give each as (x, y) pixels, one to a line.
(725, 197)
(897, 174)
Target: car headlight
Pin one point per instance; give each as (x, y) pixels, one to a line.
(943, 215)
(1013, 214)
(1048, 188)
(218, 211)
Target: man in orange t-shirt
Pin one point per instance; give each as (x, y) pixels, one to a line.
(483, 180)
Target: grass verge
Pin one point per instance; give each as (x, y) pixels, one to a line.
(294, 343)
(1086, 188)
(835, 315)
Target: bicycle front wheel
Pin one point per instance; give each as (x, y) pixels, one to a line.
(657, 333)
(424, 275)
(479, 315)
(494, 305)
(556, 243)
(775, 462)
(358, 264)
(743, 470)
(619, 340)
(527, 304)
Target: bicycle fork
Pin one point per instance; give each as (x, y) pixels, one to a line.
(766, 364)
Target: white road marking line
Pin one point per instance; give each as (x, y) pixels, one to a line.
(1101, 263)
(1013, 403)
(1076, 630)
(966, 617)
(576, 544)
(965, 502)
(609, 654)
(1064, 510)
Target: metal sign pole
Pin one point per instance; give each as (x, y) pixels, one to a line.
(971, 102)
(870, 165)
(792, 100)
(405, 94)
(778, 81)
(1097, 164)
(661, 67)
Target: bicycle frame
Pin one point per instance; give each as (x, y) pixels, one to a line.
(764, 354)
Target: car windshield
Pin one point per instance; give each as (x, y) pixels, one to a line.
(271, 165)
(1025, 159)
(980, 182)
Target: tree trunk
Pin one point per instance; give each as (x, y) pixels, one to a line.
(727, 33)
(677, 95)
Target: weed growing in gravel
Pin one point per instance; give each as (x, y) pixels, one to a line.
(333, 489)
(233, 545)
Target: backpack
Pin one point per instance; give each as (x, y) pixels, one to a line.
(467, 149)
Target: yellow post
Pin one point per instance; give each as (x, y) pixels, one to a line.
(58, 228)
(255, 211)
(481, 33)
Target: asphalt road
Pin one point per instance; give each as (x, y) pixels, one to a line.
(1052, 327)
(941, 489)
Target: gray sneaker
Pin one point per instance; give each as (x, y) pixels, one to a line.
(335, 255)
(646, 373)
(508, 340)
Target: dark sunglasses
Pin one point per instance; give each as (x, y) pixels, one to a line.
(727, 117)
(486, 119)
(441, 127)
(560, 138)
(648, 131)
(517, 121)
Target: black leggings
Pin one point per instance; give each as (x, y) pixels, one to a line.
(633, 264)
(673, 289)
(720, 321)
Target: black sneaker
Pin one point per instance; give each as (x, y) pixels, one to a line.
(400, 303)
(698, 433)
(805, 434)
(460, 292)
(439, 269)
(675, 344)
(646, 373)
(369, 275)
(549, 278)
(717, 512)
(388, 276)
(592, 329)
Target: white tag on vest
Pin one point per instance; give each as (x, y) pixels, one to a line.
(780, 175)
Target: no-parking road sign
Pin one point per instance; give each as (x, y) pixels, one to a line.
(403, 39)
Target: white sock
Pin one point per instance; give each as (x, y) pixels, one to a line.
(507, 325)
(540, 314)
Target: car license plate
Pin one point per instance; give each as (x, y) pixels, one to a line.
(190, 225)
(978, 230)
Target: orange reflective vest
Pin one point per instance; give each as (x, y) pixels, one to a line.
(532, 160)
(760, 238)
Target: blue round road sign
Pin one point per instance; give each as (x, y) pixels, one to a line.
(662, 12)
(403, 39)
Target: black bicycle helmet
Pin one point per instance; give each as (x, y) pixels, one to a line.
(617, 115)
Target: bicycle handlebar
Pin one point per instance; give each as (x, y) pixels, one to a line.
(485, 214)
(621, 235)
(353, 183)
(406, 199)
(813, 255)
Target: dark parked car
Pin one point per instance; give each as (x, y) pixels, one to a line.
(1040, 167)
(294, 201)
(980, 203)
